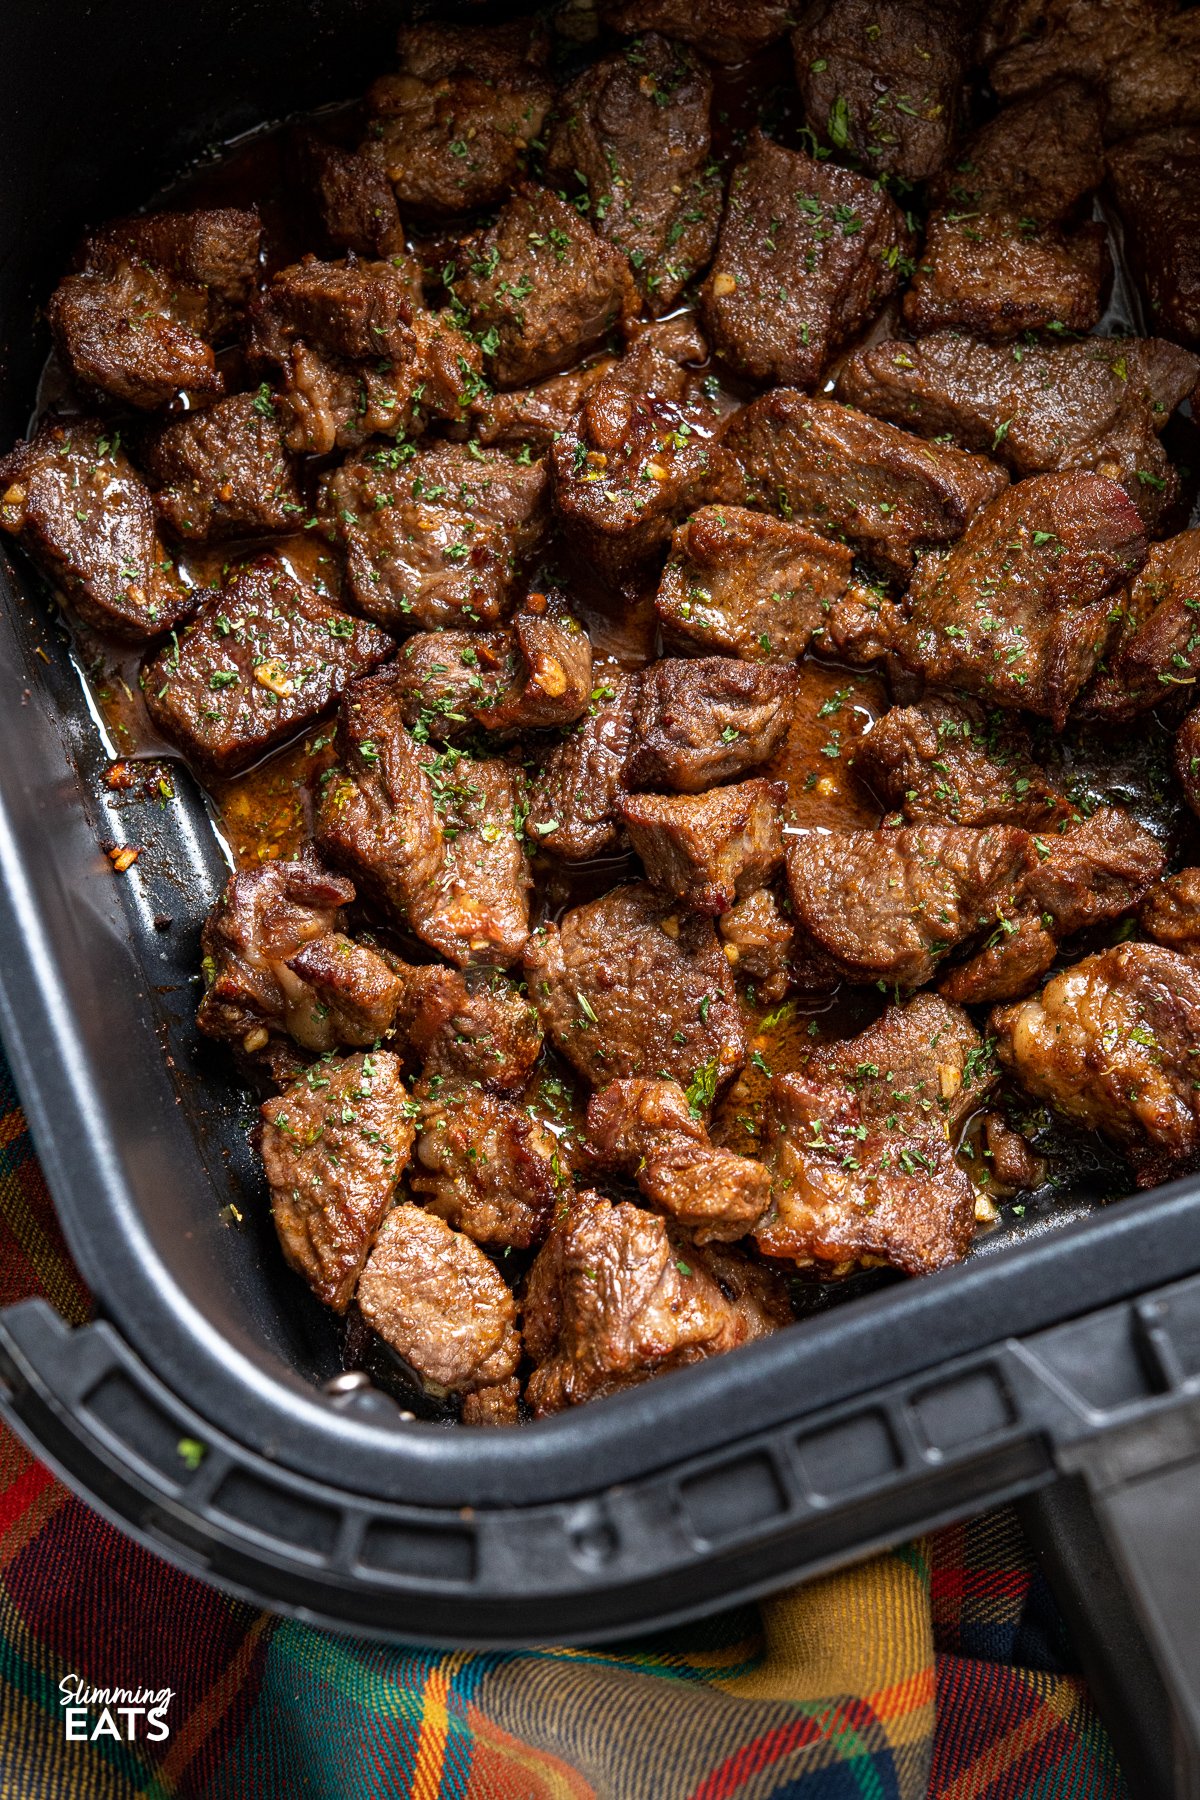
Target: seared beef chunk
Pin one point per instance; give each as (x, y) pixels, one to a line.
(355, 354)
(808, 253)
(647, 1129)
(748, 584)
(888, 905)
(335, 1144)
(727, 31)
(1187, 759)
(638, 455)
(1113, 1043)
(758, 936)
(699, 722)
(479, 1030)
(634, 130)
(216, 248)
(842, 473)
(436, 538)
(707, 849)
(861, 1145)
(453, 126)
(223, 472)
(1009, 1165)
(1088, 871)
(261, 658)
(81, 510)
(483, 1164)
(540, 288)
(495, 1405)
(884, 78)
(442, 1306)
(1019, 611)
(274, 958)
(533, 677)
(1170, 912)
(1036, 407)
(611, 1302)
(574, 794)
(432, 836)
(631, 985)
(1155, 182)
(355, 200)
(136, 334)
(990, 273)
(952, 760)
(1159, 650)
(1038, 158)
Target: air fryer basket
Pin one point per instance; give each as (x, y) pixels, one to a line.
(1063, 1356)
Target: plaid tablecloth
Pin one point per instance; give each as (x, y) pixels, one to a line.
(939, 1669)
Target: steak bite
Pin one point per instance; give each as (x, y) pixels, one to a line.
(1019, 610)
(262, 658)
(727, 31)
(861, 1145)
(759, 939)
(702, 721)
(749, 585)
(1036, 408)
(356, 356)
(1170, 913)
(1158, 650)
(1155, 183)
(708, 849)
(80, 509)
(274, 958)
(476, 1028)
(1038, 157)
(808, 254)
(334, 1145)
(452, 127)
(135, 334)
(540, 288)
(953, 761)
(355, 201)
(991, 274)
(483, 1164)
(436, 537)
(217, 248)
(639, 454)
(223, 472)
(1186, 759)
(649, 1130)
(478, 911)
(884, 79)
(630, 985)
(849, 476)
(574, 794)
(1113, 1043)
(441, 1304)
(611, 1302)
(633, 130)
(533, 677)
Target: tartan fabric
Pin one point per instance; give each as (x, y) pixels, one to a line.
(940, 1669)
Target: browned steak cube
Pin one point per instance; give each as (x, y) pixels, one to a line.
(453, 126)
(647, 1129)
(439, 537)
(1170, 912)
(218, 248)
(355, 200)
(849, 476)
(861, 1145)
(889, 905)
(707, 849)
(808, 254)
(223, 472)
(1158, 647)
(1155, 182)
(540, 288)
(334, 1145)
(1186, 759)
(952, 760)
(698, 722)
(534, 676)
(135, 334)
(633, 131)
(638, 455)
(1111, 1043)
(483, 1164)
(478, 911)
(81, 510)
(1037, 158)
(611, 1302)
(884, 78)
(748, 584)
(759, 939)
(990, 273)
(475, 1028)
(499, 1404)
(262, 658)
(1019, 611)
(442, 1306)
(1099, 404)
(355, 992)
(727, 31)
(574, 794)
(630, 985)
